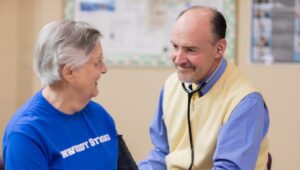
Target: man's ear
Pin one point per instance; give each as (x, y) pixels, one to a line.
(67, 73)
(221, 46)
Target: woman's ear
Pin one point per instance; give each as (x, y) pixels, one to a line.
(67, 73)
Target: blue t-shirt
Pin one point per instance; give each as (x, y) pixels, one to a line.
(40, 137)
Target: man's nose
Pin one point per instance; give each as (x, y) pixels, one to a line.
(179, 57)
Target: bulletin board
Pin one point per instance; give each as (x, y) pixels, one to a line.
(137, 32)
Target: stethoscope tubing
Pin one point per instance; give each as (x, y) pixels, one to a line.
(190, 93)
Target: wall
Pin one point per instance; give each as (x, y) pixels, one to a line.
(8, 54)
(20, 23)
(130, 94)
(131, 97)
(280, 85)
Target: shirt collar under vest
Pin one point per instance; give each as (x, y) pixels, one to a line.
(208, 82)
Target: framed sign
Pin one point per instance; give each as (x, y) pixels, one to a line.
(275, 31)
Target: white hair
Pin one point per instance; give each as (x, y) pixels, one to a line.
(63, 43)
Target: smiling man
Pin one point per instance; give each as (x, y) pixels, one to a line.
(209, 116)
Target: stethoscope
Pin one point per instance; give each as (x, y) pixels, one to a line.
(190, 93)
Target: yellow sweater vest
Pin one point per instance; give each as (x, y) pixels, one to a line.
(208, 114)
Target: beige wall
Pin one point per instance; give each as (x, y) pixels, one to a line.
(20, 23)
(130, 94)
(8, 54)
(279, 84)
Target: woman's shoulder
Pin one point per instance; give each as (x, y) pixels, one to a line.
(26, 117)
(93, 106)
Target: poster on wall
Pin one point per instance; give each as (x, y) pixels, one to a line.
(137, 32)
(275, 31)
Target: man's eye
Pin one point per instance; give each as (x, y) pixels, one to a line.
(191, 50)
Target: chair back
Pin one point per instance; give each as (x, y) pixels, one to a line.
(1, 163)
(269, 164)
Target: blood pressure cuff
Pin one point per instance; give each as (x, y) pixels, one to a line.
(125, 159)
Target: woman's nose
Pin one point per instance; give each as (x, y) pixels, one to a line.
(104, 68)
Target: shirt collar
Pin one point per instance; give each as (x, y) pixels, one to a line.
(208, 82)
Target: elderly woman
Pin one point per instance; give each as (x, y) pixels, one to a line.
(60, 127)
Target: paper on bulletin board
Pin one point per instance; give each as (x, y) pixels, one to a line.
(137, 32)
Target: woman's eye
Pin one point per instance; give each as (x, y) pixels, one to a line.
(98, 63)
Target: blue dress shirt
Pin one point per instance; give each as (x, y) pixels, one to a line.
(238, 141)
